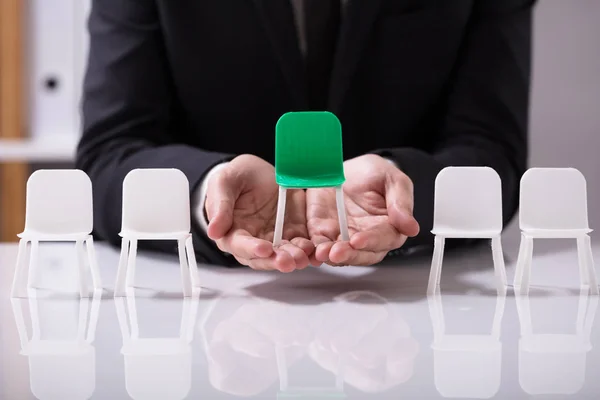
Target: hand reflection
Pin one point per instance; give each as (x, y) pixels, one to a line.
(246, 349)
(242, 351)
(376, 354)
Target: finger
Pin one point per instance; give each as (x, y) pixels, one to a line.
(378, 239)
(221, 195)
(306, 245)
(322, 252)
(399, 203)
(343, 254)
(284, 261)
(242, 244)
(299, 257)
(259, 264)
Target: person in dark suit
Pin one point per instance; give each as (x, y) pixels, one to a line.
(199, 85)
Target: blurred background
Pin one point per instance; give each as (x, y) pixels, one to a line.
(43, 47)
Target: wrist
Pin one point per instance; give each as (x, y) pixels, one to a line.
(199, 197)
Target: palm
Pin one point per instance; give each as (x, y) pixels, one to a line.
(256, 209)
(365, 212)
(373, 196)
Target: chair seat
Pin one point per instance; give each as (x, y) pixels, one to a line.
(464, 234)
(53, 237)
(156, 346)
(57, 347)
(137, 235)
(556, 233)
(323, 181)
(479, 343)
(555, 343)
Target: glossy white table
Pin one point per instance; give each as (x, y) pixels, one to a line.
(357, 333)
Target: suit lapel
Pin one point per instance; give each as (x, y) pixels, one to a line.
(278, 20)
(358, 21)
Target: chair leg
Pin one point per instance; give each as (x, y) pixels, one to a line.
(20, 322)
(436, 265)
(19, 284)
(520, 263)
(499, 267)
(185, 270)
(122, 271)
(93, 262)
(341, 209)
(591, 269)
(84, 311)
(527, 261)
(94, 313)
(81, 266)
(193, 265)
(130, 277)
(32, 278)
(582, 260)
(279, 220)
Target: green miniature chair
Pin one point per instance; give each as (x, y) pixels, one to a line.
(309, 154)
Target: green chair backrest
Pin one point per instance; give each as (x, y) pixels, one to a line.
(308, 150)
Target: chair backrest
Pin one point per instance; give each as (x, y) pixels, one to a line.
(158, 376)
(309, 145)
(59, 202)
(63, 376)
(156, 201)
(553, 198)
(468, 199)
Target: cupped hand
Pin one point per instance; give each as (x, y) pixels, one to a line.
(241, 206)
(378, 198)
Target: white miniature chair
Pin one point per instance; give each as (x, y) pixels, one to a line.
(468, 204)
(156, 206)
(287, 391)
(157, 368)
(553, 204)
(60, 369)
(555, 363)
(58, 208)
(466, 365)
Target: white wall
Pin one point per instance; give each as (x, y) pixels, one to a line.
(565, 102)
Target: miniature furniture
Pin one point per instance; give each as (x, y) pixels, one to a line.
(58, 208)
(555, 363)
(309, 154)
(156, 206)
(157, 368)
(553, 205)
(468, 204)
(466, 365)
(65, 368)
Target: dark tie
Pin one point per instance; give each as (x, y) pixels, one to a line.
(322, 24)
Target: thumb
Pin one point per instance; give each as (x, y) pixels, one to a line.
(399, 199)
(221, 196)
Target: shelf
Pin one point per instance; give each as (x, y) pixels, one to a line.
(37, 150)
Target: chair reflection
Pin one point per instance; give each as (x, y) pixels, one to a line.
(555, 363)
(466, 365)
(157, 368)
(62, 368)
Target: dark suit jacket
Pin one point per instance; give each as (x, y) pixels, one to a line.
(190, 83)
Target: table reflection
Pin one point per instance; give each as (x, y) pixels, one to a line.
(466, 365)
(555, 363)
(358, 339)
(157, 368)
(62, 358)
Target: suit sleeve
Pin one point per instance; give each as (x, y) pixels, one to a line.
(486, 117)
(128, 115)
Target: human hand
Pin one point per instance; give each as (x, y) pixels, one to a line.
(241, 205)
(379, 202)
(246, 347)
(373, 356)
